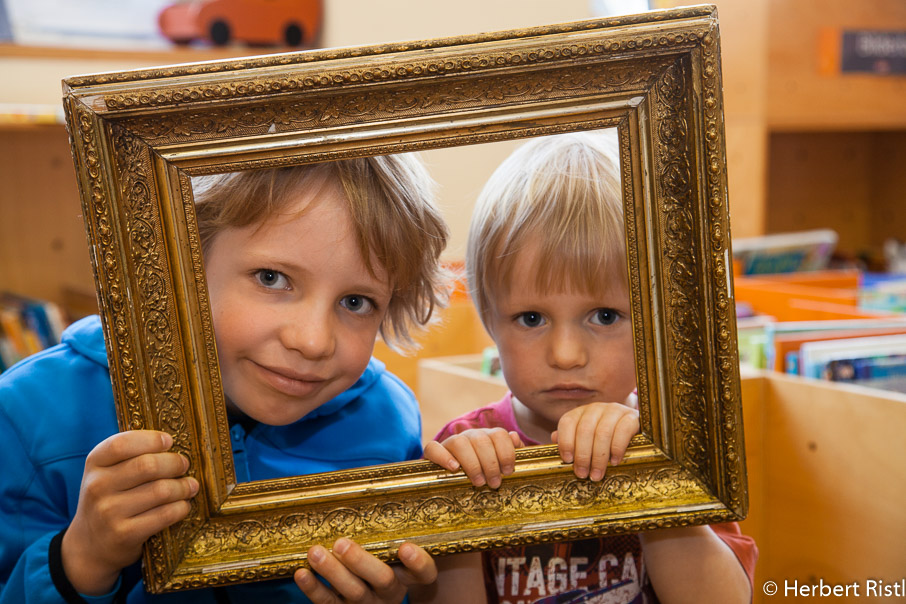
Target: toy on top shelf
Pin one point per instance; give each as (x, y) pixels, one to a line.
(253, 22)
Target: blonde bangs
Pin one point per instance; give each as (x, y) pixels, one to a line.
(561, 198)
(579, 242)
(240, 199)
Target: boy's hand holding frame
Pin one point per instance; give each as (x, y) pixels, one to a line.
(137, 137)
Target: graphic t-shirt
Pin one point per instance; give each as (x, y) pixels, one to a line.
(606, 570)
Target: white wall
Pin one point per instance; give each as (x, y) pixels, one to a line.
(358, 22)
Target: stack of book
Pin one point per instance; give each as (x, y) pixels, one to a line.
(869, 352)
(27, 326)
(796, 316)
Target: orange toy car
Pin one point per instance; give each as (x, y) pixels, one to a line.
(253, 22)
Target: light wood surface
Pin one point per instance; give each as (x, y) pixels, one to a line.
(744, 68)
(43, 246)
(828, 481)
(458, 332)
(851, 182)
(800, 97)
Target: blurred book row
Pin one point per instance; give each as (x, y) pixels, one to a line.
(802, 317)
(869, 352)
(27, 326)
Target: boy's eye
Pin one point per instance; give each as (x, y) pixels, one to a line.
(271, 278)
(530, 319)
(605, 316)
(357, 304)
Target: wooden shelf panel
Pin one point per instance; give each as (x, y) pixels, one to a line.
(800, 97)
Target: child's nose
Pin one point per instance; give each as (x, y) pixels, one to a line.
(310, 331)
(567, 349)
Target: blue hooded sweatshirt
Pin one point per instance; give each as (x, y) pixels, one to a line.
(57, 405)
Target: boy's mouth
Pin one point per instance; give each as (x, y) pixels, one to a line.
(569, 391)
(288, 381)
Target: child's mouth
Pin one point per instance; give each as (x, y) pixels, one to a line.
(290, 383)
(570, 392)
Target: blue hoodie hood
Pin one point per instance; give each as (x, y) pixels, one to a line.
(86, 337)
(372, 374)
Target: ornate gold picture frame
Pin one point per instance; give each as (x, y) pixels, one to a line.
(138, 137)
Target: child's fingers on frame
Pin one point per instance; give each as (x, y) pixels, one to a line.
(123, 536)
(142, 526)
(602, 443)
(149, 467)
(126, 445)
(517, 440)
(418, 567)
(564, 441)
(627, 427)
(506, 450)
(341, 579)
(354, 575)
(587, 453)
(368, 568)
(159, 492)
(101, 483)
(439, 454)
(464, 449)
(585, 435)
(568, 428)
(495, 451)
(316, 591)
(488, 457)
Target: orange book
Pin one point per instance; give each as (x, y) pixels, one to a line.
(15, 333)
(784, 344)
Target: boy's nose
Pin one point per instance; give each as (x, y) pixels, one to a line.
(566, 349)
(310, 332)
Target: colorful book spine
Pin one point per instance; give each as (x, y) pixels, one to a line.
(27, 326)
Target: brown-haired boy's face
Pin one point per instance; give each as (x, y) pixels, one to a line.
(296, 311)
(561, 349)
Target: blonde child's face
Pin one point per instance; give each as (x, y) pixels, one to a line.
(296, 311)
(560, 350)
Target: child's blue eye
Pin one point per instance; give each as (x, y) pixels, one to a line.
(530, 319)
(271, 278)
(357, 304)
(605, 316)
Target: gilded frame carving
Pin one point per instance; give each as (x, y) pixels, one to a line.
(138, 136)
